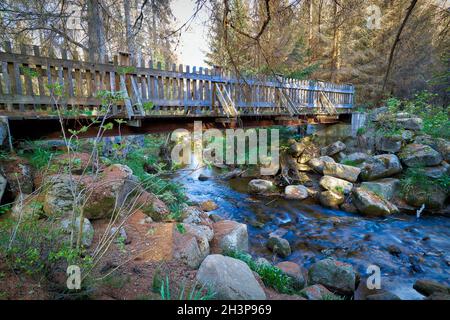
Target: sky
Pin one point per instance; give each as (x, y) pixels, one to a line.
(193, 41)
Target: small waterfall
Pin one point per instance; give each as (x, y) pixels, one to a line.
(359, 120)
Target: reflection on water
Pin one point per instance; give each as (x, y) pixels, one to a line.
(421, 247)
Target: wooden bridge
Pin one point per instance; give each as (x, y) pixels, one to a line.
(154, 93)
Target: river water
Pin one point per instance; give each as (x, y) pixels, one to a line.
(404, 247)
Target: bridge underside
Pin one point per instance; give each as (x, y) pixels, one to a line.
(50, 128)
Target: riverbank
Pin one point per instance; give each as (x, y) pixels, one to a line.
(338, 205)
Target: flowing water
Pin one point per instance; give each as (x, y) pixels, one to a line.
(420, 248)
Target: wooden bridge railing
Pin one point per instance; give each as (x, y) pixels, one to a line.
(150, 89)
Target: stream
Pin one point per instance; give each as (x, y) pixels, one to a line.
(404, 247)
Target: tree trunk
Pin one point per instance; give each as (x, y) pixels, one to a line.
(396, 41)
(336, 44)
(131, 44)
(96, 32)
(310, 36)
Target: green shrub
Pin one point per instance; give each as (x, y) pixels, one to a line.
(415, 179)
(36, 246)
(195, 292)
(271, 276)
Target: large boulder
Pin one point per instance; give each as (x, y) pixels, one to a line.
(319, 163)
(296, 192)
(336, 276)
(87, 231)
(381, 166)
(260, 186)
(152, 206)
(371, 204)
(443, 146)
(229, 236)
(203, 234)
(383, 296)
(279, 246)
(109, 192)
(341, 171)
(331, 199)
(296, 148)
(335, 184)
(318, 292)
(194, 215)
(390, 144)
(186, 249)
(229, 279)
(59, 190)
(420, 155)
(333, 149)
(386, 188)
(26, 206)
(437, 171)
(429, 287)
(294, 271)
(414, 124)
(19, 174)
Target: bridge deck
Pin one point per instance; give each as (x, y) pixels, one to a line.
(30, 79)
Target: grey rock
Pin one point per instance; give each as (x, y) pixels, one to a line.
(336, 184)
(436, 172)
(420, 155)
(318, 163)
(58, 197)
(429, 287)
(121, 235)
(368, 203)
(203, 234)
(260, 186)
(336, 276)
(279, 246)
(187, 251)
(414, 124)
(381, 166)
(229, 279)
(383, 296)
(331, 199)
(333, 148)
(87, 235)
(390, 144)
(341, 171)
(298, 192)
(386, 188)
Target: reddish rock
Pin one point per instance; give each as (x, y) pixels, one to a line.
(229, 236)
(294, 271)
(152, 206)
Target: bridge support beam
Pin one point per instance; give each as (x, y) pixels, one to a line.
(34, 129)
